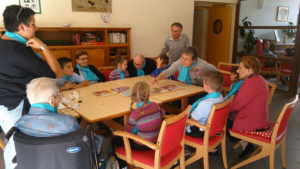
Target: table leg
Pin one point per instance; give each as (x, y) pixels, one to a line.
(184, 103)
(126, 119)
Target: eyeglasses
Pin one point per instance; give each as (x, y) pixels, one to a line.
(19, 13)
(84, 58)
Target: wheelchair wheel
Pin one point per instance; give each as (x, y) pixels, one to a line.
(112, 163)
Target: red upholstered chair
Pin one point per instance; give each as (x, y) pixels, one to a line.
(215, 134)
(106, 71)
(168, 149)
(284, 68)
(225, 68)
(269, 140)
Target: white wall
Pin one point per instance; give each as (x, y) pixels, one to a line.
(150, 20)
(266, 16)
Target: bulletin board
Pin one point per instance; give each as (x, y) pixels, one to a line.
(92, 5)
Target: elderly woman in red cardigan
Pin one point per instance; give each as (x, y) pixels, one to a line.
(249, 111)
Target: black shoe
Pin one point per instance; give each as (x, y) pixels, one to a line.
(213, 153)
(248, 150)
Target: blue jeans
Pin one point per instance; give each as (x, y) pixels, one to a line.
(7, 121)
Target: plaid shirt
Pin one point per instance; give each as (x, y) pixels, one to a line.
(41, 122)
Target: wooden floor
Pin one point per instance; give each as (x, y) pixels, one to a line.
(292, 147)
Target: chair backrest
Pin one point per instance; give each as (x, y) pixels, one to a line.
(259, 47)
(227, 81)
(172, 132)
(280, 128)
(2, 145)
(218, 117)
(65, 151)
(226, 66)
(272, 87)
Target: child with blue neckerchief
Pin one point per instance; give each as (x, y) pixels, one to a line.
(162, 62)
(120, 72)
(70, 80)
(212, 83)
(236, 83)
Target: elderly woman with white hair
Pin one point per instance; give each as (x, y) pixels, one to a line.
(42, 119)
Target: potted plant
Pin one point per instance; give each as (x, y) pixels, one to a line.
(290, 33)
(248, 34)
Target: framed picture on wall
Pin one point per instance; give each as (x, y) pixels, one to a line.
(282, 13)
(35, 5)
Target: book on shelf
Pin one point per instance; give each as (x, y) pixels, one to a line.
(92, 43)
(117, 37)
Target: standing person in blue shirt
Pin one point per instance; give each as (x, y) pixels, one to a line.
(176, 43)
(19, 65)
(212, 84)
(42, 119)
(162, 62)
(88, 72)
(70, 80)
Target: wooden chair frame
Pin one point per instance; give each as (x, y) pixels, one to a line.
(280, 74)
(157, 147)
(267, 149)
(203, 150)
(227, 64)
(2, 144)
(273, 87)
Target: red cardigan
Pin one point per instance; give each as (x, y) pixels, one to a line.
(251, 105)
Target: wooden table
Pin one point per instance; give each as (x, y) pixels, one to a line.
(100, 108)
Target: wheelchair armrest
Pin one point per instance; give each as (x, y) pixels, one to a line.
(10, 132)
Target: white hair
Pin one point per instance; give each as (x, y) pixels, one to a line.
(40, 90)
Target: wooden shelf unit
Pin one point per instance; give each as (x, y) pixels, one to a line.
(60, 42)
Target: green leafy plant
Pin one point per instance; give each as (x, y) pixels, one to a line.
(291, 33)
(248, 34)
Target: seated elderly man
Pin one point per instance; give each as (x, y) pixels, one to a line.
(140, 66)
(42, 119)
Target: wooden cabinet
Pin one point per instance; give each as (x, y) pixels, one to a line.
(105, 44)
(279, 48)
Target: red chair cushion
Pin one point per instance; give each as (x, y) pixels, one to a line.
(106, 73)
(147, 157)
(266, 133)
(199, 140)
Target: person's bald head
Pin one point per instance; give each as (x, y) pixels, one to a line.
(138, 61)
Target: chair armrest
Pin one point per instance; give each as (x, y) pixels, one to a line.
(192, 122)
(168, 116)
(136, 138)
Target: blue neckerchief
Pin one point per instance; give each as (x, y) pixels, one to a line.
(209, 95)
(19, 38)
(121, 73)
(45, 106)
(88, 74)
(234, 89)
(140, 72)
(68, 78)
(184, 73)
(140, 104)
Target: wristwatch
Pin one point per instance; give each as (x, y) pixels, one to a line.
(43, 47)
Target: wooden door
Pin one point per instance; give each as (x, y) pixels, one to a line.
(218, 34)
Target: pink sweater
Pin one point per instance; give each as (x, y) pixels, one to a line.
(251, 105)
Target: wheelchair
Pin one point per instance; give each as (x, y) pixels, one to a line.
(76, 150)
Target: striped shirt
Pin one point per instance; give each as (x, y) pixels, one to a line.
(114, 75)
(147, 119)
